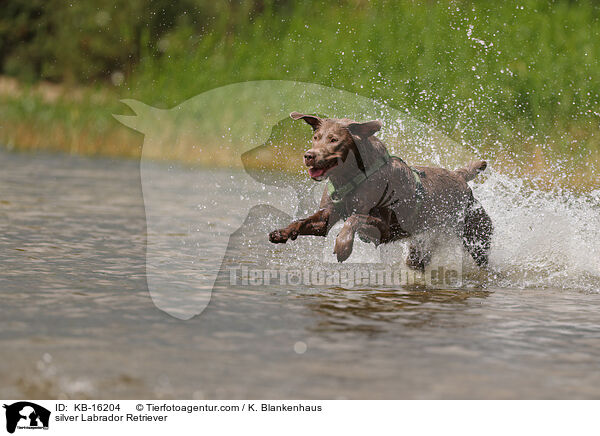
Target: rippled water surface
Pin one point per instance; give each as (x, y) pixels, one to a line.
(78, 320)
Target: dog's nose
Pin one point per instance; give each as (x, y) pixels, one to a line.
(309, 157)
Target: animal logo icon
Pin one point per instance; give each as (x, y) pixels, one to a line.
(26, 415)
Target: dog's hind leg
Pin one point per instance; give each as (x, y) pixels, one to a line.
(477, 233)
(419, 255)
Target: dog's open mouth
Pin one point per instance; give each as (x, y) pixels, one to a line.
(319, 173)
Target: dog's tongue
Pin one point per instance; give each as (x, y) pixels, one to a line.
(316, 172)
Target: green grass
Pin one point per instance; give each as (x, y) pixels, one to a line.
(505, 71)
(34, 119)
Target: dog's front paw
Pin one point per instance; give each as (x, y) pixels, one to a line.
(278, 236)
(343, 245)
(282, 235)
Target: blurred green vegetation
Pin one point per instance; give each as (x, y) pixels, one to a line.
(494, 74)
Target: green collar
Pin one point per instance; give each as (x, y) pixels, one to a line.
(338, 194)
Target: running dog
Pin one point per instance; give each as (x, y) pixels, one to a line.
(382, 198)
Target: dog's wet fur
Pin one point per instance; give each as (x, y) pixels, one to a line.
(386, 207)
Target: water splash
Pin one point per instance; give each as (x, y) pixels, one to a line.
(542, 238)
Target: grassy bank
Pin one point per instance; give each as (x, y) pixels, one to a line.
(519, 81)
(60, 118)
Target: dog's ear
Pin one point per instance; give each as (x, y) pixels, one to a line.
(360, 133)
(313, 120)
(364, 130)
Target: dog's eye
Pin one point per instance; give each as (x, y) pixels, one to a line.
(333, 140)
(315, 137)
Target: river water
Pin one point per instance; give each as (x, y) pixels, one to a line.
(78, 319)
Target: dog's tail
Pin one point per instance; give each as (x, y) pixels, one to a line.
(472, 170)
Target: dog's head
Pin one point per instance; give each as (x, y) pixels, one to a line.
(332, 142)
